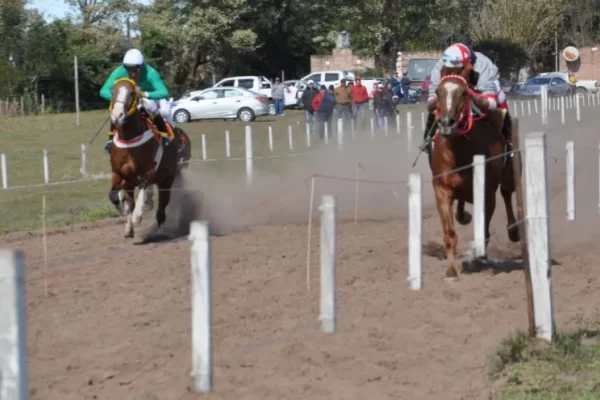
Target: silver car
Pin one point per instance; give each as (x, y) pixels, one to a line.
(221, 103)
(556, 86)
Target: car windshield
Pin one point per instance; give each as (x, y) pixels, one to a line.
(538, 81)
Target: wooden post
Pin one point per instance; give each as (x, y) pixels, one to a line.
(538, 233)
(328, 264)
(202, 368)
(13, 331)
(249, 156)
(517, 163)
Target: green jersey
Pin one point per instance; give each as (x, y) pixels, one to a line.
(149, 81)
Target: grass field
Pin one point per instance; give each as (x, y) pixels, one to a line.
(569, 368)
(23, 139)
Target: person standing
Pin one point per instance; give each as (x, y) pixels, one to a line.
(324, 104)
(307, 99)
(278, 94)
(425, 90)
(343, 97)
(360, 97)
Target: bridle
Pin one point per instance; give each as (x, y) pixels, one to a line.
(466, 118)
(133, 108)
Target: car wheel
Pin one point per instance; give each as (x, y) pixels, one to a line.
(245, 114)
(181, 116)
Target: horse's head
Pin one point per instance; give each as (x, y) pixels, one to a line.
(124, 101)
(452, 103)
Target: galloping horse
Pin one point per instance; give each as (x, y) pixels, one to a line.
(139, 158)
(462, 134)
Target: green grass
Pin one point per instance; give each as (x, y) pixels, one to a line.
(567, 368)
(23, 139)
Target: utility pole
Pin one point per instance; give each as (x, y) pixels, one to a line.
(556, 49)
(128, 31)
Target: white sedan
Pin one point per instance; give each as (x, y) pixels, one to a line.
(220, 103)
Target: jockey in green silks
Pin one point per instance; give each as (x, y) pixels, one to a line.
(151, 87)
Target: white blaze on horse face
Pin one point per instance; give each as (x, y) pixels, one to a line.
(118, 112)
(451, 87)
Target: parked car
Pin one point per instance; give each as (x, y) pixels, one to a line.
(582, 86)
(301, 88)
(557, 86)
(258, 84)
(220, 103)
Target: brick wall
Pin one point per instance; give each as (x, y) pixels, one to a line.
(586, 67)
(344, 59)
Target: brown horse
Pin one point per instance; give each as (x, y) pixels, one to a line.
(139, 158)
(460, 136)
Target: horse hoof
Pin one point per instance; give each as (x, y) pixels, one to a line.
(450, 279)
(451, 274)
(136, 219)
(466, 220)
(128, 235)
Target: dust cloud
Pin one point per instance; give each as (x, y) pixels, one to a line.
(280, 190)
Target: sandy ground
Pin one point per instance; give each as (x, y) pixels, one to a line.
(116, 321)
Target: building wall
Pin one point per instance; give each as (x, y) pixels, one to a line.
(586, 67)
(344, 59)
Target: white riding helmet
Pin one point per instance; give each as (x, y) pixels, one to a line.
(456, 56)
(133, 57)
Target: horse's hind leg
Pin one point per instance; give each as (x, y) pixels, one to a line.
(462, 217)
(507, 187)
(128, 207)
(444, 199)
(164, 196)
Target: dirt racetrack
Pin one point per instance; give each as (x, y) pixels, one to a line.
(116, 322)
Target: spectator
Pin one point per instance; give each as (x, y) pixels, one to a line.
(378, 104)
(395, 80)
(324, 104)
(388, 106)
(405, 84)
(425, 90)
(360, 97)
(278, 94)
(343, 97)
(307, 100)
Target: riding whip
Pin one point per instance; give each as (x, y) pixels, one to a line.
(99, 130)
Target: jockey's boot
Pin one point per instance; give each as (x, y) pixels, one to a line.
(110, 138)
(507, 131)
(427, 133)
(161, 125)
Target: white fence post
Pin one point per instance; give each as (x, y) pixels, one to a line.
(227, 144)
(372, 127)
(479, 204)
(13, 331)
(202, 368)
(4, 167)
(83, 168)
(570, 159)
(340, 134)
(291, 137)
(204, 147)
(528, 107)
(599, 176)
(328, 263)
(249, 156)
(408, 130)
(270, 138)
(415, 231)
(398, 124)
(538, 229)
(46, 167)
(544, 101)
(578, 108)
(562, 110)
(386, 126)
(535, 104)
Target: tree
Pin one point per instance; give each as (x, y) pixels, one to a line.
(530, 24)
(509, 57)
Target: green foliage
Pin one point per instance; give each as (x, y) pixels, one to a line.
(567, 368)
(507, 55)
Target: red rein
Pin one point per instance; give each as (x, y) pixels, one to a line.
(465, 121)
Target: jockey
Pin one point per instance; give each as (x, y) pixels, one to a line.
(483, 77)
(151, 87)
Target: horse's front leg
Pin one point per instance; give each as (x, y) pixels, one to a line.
(128, 207)
(444, 198)
(115, 195)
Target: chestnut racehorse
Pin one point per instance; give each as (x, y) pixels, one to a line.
(462, 134)
(139, 158)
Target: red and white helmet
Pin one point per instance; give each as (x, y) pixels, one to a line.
(456, 56)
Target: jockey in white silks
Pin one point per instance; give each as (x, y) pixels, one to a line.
(152, 89)
(483, 76)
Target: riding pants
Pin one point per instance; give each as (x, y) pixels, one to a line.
(161, 107)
